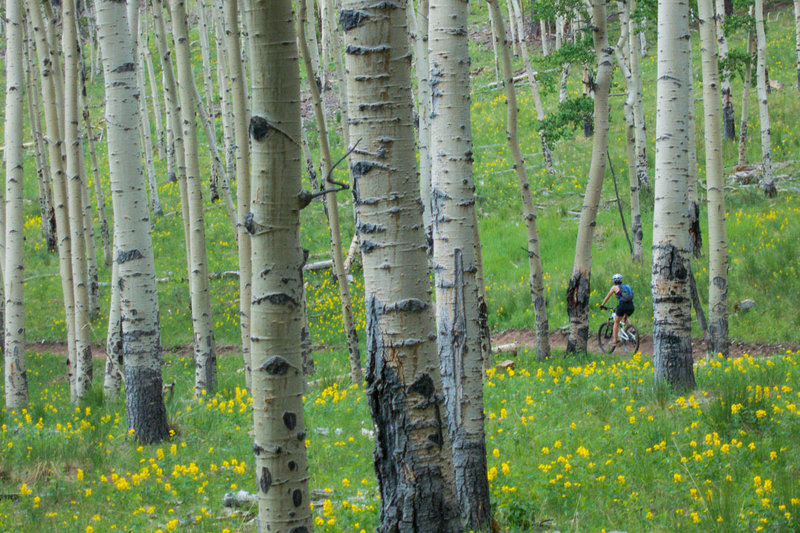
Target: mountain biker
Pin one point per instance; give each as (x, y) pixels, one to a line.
(625, 307)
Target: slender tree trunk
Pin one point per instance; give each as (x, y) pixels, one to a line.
(16, 376)
(33, 94)
(115, 361)
(151, 77)
(98, 187)
(625, 58)
(72, 142)
(223, 77)
(203, 326)
(494, 50)
(54, 144)
(144, 124)
(695, 230)
(717, 238)
(88, 230)
(748, 80)
(579, 288)
(313, 42)
(537, 99)
(138, 297)
(767, 179)
(422, 69)
(672, 306)
(543, 33)
(277, 308)
(512, 28)
(729, 122)
(529, 209)
(174, 116)
(239, 101)
(332, 210)
(413, 456)
(455, 258)
(640, 132)
(203, 32)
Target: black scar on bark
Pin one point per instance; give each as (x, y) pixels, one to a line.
(125, 67)
(301, 436)
(265, 482)
(367, 246)
(259, 128)
(130, 255)
(297, 497)
(292, 466)
(276, 299)
(299, 529)
(360, 168)
(277, 366)
(289, 420)
(424, 386)
(350, 18)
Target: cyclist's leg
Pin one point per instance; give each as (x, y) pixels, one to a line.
(615, 329)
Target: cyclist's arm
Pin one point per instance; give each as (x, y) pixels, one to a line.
(609, 295)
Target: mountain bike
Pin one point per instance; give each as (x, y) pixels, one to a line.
(628, 335)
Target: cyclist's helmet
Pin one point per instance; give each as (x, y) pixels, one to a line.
(616, 278)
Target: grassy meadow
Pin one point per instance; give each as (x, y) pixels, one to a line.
(574, 444)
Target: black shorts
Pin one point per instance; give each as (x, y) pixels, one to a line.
(625, 308)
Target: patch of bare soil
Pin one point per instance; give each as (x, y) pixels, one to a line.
(558, 339)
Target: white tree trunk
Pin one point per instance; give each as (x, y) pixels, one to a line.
(239, 101)
(223, 83)
(155, 100)
(717, 238)
(138, 297)
(332, 208)
(413, 457)
(144, 123)
(72, 142)
(277, 304)
(422, 69)
(672, 340)
(746, 85)
(797, 37)
(640, 131)
(579, 287)
(202, 324)
(695, 231)
(54, 138)
(543, 33)
(536, 276)
(98, 187)
(455, 257)
(16, 376)
(729, 123)
(768, 179)
(115, 361)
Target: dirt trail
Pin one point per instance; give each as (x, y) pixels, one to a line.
(558, 339)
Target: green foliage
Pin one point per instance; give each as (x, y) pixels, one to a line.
(569, 116)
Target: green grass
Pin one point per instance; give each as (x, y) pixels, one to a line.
(569, 407)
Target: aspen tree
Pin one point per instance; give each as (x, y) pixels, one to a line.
(138, 296)
(205, 53)
(455, 257)
(223, 78)
(277, 302)
(672, 341)
(640, 129)
(239, 103)
(543, 35)
(413, 456)
(768, 178)
(115, 360)
(53, 125)
(313, 42)
(797, 37)
(717, 238)
(729, 123)
(151, 76)
(423, 109)
(144, 121)
(16, 376)
(536, 280)
(695, 231)
(537, 99)
(46, 210)
(746, 85)
(72, 142)
(332, 208)
(203, 326)
(579, 287)
(87, 229)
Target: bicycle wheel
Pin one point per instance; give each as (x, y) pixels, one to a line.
(605, 336)
(631, 343)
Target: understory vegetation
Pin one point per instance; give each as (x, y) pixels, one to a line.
(573, 443)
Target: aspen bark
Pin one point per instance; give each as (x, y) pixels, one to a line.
(223, 83)
(494, 50)
(422, 70)
(640, 131)
(529, 209)
(543, 34)
(72, 142)
(456, 257)
(717, 238)
(98, 187)
(87, 230)
(53, 125)
(729, 123)
(202, 324)
(413, 456)
(797, 37)
(695, 230)
(115, 361)
(138, 296)
(277, 302)
(144, 123)
(151, 77)
(537, 99)
(46, 210)
(768, 179)
(239, 101)
(579, 287)
(16, 376)
(205, 53)
(746, 84)
(313, 42)
(174, 116)
(332, 209)
(672, 307)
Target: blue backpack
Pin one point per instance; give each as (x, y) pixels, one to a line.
(625, 293)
